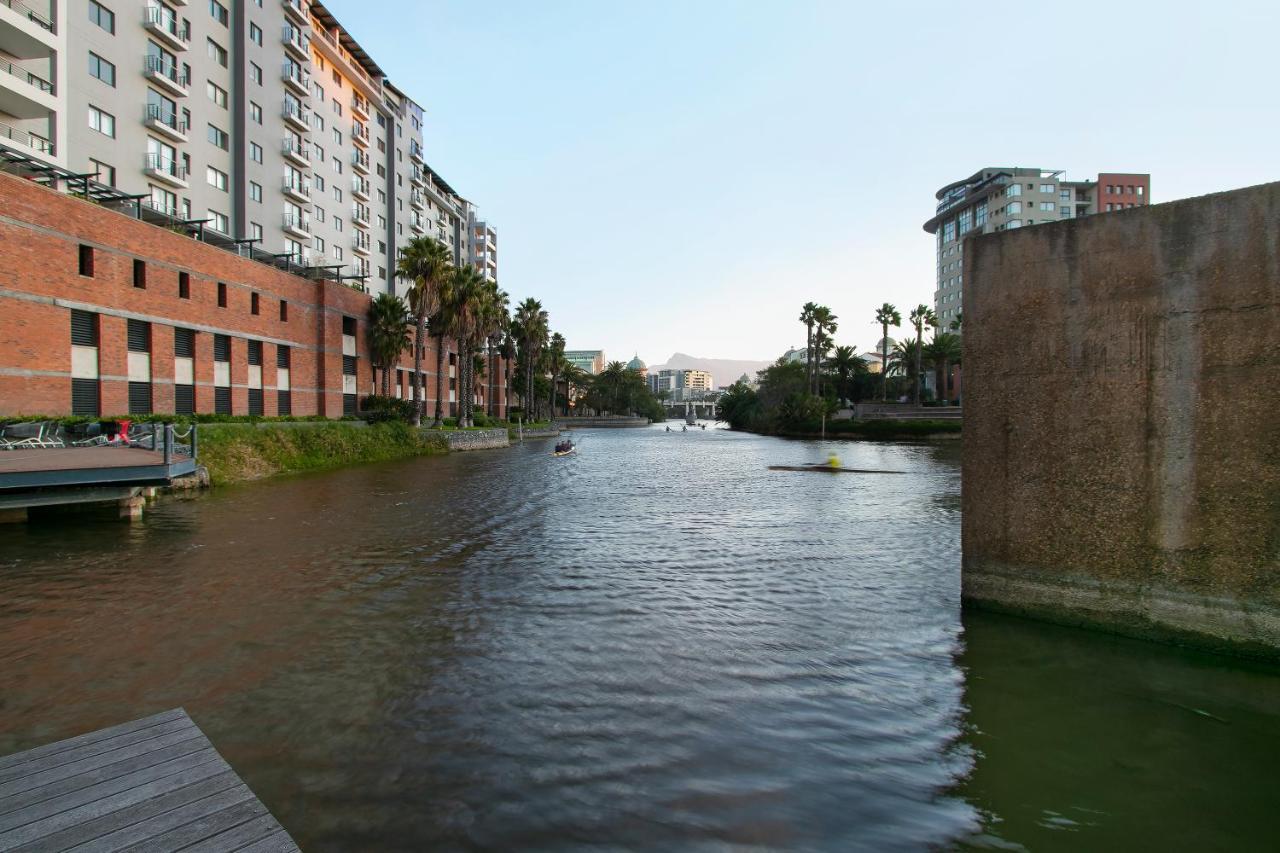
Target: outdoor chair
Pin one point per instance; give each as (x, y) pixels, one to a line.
(29, 436)
(88, 435)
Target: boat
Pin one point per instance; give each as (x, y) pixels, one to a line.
(573, 448)
(830, 469)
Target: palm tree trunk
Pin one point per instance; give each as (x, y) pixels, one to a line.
(919, 353)
(884, 362)
(439, 418)
(808, 354)
(419, 403)
(491, 407)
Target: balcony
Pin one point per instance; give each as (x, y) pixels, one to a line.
(360, 160)
(360, 187)
(360, 107)
(165, 74)
(297, 42)
(297, 10)
(25, 94)
(295, 150)
(165, 122)
(34, 141)
(416, 223)
(296, 189)
(295, 78)
(360, 215)
(166, 27)
(296, 224)
(166, 169)
(417, 199)
(360, 242)
(296, 115)
(360, 133)
(417, 177)
(415, 150)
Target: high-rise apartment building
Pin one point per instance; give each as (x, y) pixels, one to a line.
(1000, 198)
(263, 120)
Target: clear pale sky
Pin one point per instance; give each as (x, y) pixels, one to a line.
(684, 175)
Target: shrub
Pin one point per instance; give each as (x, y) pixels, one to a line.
(377, 409)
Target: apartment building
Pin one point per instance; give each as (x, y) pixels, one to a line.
(263, 122)
(681, 385)
(484, 248)
(590, 360)
(999, 198)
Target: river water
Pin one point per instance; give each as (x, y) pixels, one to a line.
(655, 644)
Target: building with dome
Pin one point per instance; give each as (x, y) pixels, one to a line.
(639, 366)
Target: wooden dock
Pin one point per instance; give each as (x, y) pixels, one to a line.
(89, 466)
(152, 784)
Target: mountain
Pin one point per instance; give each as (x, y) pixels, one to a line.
(724, 371)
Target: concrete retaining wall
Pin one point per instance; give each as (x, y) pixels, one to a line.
(1122, 420)
(479, 439)
(601, 422)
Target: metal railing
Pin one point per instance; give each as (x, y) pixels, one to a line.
(44, 21)
(167, 166)
(302, 188)
(23, 74)
(27, 138)
(157, 113)
(159, 65)
(158, 16)
(296, 147)
(295, 221)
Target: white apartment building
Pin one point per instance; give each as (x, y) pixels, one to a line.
(262, 121)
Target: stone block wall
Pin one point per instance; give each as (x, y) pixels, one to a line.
(1122, 420)
(477, 439)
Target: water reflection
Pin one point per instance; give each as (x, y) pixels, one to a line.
(654, 644)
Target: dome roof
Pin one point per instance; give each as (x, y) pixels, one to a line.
(636, 364)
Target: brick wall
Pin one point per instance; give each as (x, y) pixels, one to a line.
(41, 232)
(1121, 428)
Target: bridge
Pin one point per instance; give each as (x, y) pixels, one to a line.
(703, 409)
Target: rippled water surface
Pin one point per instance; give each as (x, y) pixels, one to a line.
(655, 644)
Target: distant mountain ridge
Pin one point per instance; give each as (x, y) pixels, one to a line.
(724, 371)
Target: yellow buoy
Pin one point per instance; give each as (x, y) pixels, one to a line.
(833, 461)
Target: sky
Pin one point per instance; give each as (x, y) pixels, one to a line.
(683, 176)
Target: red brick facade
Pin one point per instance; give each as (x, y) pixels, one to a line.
(41, 235)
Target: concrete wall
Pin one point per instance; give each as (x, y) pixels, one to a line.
(478, 439)
(1122, 420)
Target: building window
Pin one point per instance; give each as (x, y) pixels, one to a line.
(1013, 207)
(218, 12)
(217, 94)
(255, 112)
(255, 152)
(216, 178)
(103, 70)
(255, 231)
(1048, 205)
(139, 341)
(255, 73)
(255, 191)
(105, 174)
(139, 274)
(1047, 189)
(217, 53)
(1013, 190)
(86, 261)
(222, 294)
(965, 221)
(220, 222)
(104, 123)
(1064, 212)
(1065, 195)
(948, 231)
(222, 374)
(1140, 190)
(284, 311)
(184, 285)
(253, 303)
(1108, 207)
(102, 16)
(219, 137)
(255, 34)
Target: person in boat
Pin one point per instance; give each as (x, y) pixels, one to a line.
(684, 429)
(564, 446)
(668, 429)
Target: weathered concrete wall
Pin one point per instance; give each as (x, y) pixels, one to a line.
(478, 439)
(1122, 420)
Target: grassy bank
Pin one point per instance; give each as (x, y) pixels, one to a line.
(877, 430)
(234, 453)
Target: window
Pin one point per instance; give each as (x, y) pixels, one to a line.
(253, 303)
(103, 70)
(255, 34)
(317, 121)
(337, 194)
(217, 94)
(1110, 189)
(949, 231)
(1014, 223)
(220, 222)
(1047, 189)
(337, 165)
(1064, 212)
(219, 137)
(105, 174)
(222, 294)
(218, 12)
(1048, 205)
(255, 152)
(317, 91)
(139, 274)
(1109, 207)
(965, 221)
(86, 261)
(319, 183)
(337, 107)
(255, 112)
(166, 201)
(317, 243)
(1065, 195)
(255, 191)
(337, 251)
(184, 285)
(255, 231)
(102, 16)
(1013, 207)
(337, 136)
(104, 123)
(255, 73)
(318, 151)
(217, 53)
(1140, 190)
(318, 212)
(284, 311)
(216, 178)
(184, 390)
(1013, 190)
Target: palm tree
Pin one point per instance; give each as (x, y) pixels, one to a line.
(425, 263)
(496, 319)
(824, 323)
(920, 317)
(806, 317)
(389, 334)
(957, 322)
(466, 307)
(531, 322)
(902, 358)
(886, 315)
(555, 366)
(845, 363)
(575, 379)
(942, 352)
(613, 378)
(507, 351)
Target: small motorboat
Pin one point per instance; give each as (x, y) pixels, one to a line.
(565, 448)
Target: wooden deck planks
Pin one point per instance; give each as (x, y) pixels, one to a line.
(151, 784)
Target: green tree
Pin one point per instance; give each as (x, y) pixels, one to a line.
(920, 316)
(389, 335)
(844, 364)
(531, 327)
(942, 352)
(555, 367)
(495, 321)
(958, 322)
(824, 324)
(886, 315)
(424, 263)
(807, 312)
